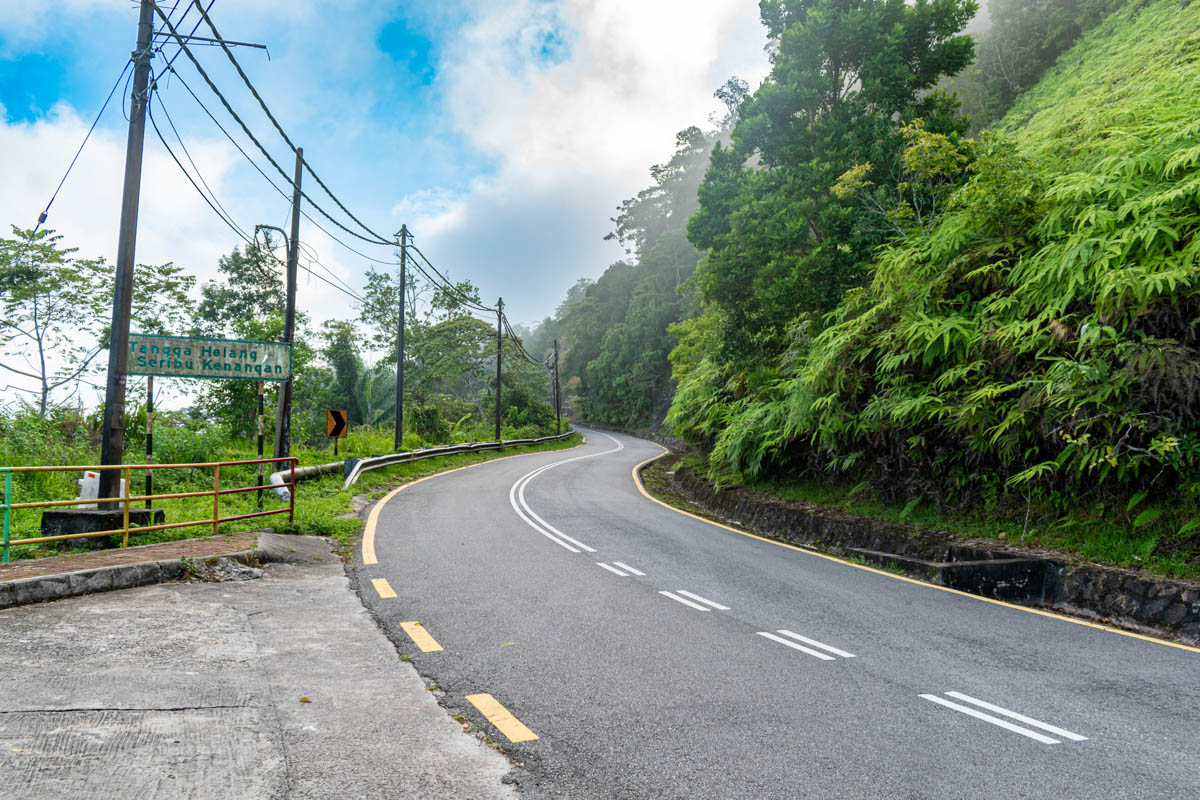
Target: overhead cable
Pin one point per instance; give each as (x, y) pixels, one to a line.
(213, 87)
(229, 222)
(191, 161)
(449, 285)
(186, 11)
(379, 239)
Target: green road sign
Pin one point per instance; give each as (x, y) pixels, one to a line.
(231, 359)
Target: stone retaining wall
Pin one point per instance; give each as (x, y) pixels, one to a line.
(1123, 597)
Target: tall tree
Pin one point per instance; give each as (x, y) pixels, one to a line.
(846, 74)
(54, 319)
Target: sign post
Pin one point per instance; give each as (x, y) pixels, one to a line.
(335, 426)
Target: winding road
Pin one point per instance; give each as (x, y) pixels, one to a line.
(619, 648)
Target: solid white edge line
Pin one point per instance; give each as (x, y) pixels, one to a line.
(547, 525)
(513, 502)
(794, 646)
(689, 603)
(628, 568)
(613, 570)
(1075, 737)
(815, 643)
(518, 491)
(704, 600)
(989, 718)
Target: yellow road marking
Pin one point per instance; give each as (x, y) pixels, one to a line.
(368, 542)
(385, 590)
(502, 718)
(416, 631)
(637, 479)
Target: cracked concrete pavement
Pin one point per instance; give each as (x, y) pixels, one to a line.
(281, 687)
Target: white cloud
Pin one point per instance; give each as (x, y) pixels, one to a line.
(573, 137)
(570, 135)
(174, 223)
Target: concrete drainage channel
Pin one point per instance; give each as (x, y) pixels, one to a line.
(1159, 606)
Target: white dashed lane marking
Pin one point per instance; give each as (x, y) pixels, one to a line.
(1001, 723)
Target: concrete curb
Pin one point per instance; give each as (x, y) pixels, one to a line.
(44, 588)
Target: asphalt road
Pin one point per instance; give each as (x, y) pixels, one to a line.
(657, 656)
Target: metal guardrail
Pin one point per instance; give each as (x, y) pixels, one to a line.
(126, 499)
(361, 465)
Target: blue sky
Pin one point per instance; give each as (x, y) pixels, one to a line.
(503, 133)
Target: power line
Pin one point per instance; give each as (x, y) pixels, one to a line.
(186, 11)
(266, 177)
(262, 103)
(232, 226)
(191, 161)
(441, 281)
(315, 259)
(448, 284)
(229, 108)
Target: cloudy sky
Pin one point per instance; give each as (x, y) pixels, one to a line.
(503, 133)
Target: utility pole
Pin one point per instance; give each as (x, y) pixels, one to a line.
(557, 401)
(283, 422)
(112, 448)
(499, 356)
(403, 234)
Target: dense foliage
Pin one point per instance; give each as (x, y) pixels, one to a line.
(1024, 39)
(616, 329)
(1039, 339)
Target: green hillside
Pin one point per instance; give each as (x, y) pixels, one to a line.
(1031, 347)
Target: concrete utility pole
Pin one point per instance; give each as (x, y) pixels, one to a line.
(112, 448)
(499, 356)
(283, 422)
(403, 234)
(557, 401)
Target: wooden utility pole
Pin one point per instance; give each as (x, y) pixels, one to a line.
(283, 421)
(557, 401)
(403, 234)
(499, 356)
(112, 448)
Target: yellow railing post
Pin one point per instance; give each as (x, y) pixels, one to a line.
(125, 525)
(216, 497)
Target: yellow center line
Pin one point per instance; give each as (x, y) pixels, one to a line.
(383, 588)
(368, 542)
(637, 479)
(502, 718)
(416, 631)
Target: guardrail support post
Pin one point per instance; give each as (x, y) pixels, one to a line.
(292, 494)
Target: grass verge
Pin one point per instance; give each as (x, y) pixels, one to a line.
(323, 507)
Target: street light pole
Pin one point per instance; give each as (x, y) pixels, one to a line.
(283, 422)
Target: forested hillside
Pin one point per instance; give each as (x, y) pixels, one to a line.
(998, 322)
